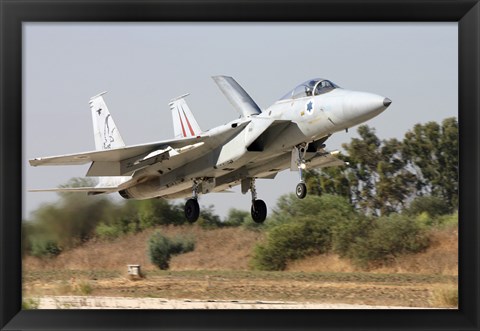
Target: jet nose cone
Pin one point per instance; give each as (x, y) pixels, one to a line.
(387, 102)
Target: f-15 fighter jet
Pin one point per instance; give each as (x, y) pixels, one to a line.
(291, 133)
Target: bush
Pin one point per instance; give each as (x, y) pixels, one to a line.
(108, 232)
(433, 206)
(388, 238)
(236, 217)
(162, 248)
(349, 233)
(290, 241)
(208, 218)
(45, 248)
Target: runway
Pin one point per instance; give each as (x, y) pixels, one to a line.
(94, 302)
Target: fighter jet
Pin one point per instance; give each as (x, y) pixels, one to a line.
(290, 134)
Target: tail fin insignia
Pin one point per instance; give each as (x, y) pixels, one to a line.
(105, 131)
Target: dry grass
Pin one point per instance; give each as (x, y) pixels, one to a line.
(231, 249)
(217, 249)
(444, 296)
(440, 258)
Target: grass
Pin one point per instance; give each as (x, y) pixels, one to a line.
(30, 303)
(355, 287)
(363, 277)
(445, 296)
(84, 288)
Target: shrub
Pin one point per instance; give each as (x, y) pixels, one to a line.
(349, 233)
(291, 241)
(236, 217)
(162, 248)
(432, 205)
(208, 218)
(108, 232)
(387, 238)
(45, 248)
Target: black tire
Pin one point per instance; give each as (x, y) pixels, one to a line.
(192, 210)
(301, 190)
(259, 211)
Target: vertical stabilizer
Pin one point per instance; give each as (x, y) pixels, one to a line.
(105, 131)
(184, 123)
(237, 96)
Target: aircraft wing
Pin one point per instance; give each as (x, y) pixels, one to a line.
(112, 155)
(123, 161)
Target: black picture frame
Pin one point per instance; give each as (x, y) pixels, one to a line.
(14, 12)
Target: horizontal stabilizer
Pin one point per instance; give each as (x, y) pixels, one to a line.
(105, 185)
(89, 190)
(237, 96)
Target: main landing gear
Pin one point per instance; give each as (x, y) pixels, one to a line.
(259, 208)
(301, 189)
(192, 208)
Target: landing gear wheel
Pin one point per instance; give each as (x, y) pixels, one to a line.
(259, 211)
(301, 190)
(192, 210)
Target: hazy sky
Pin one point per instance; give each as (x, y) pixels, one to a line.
(143, 66)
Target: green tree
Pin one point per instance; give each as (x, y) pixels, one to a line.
(383, 176)
(432, 150)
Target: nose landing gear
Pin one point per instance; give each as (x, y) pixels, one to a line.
(301, 189)
(192, 208)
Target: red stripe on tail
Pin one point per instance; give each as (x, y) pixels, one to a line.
(189, 126)
(181, 122)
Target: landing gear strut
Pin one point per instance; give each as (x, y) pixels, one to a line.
(301, 189)
(192, 208)
(259, 208)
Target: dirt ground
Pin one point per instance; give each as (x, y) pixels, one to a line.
(218, 269)
(406, 290)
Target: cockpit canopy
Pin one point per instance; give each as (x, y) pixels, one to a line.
(311, 87)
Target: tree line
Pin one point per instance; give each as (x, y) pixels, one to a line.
(385, 176)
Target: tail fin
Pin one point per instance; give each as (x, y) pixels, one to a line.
(105, 131)
(237, 96)
(184, 123)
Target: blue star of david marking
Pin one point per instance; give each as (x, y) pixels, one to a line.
(309, 106)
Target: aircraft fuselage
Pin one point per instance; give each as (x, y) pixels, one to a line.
(315, 117)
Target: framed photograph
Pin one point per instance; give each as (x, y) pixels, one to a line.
(55, 55)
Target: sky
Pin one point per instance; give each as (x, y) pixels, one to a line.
(144, 66)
